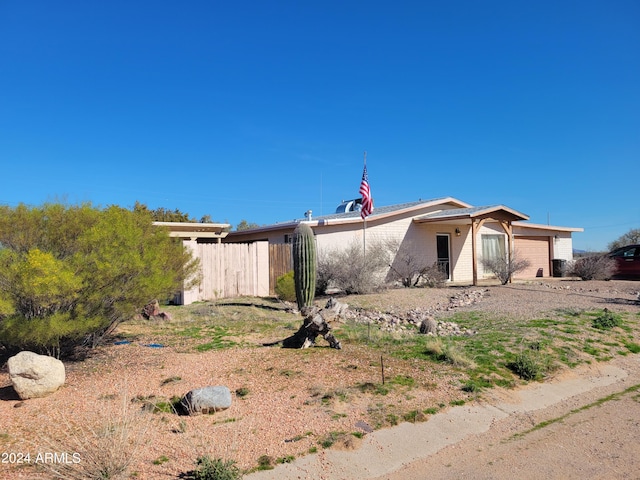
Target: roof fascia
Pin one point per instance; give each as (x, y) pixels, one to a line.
(484, 212)
(200, 230)
(547, 227)
(497, 208)
(393, 213)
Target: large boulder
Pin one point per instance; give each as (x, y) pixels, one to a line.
(34, 375)
(207, 400)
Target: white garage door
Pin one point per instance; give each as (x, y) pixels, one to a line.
(536, 250)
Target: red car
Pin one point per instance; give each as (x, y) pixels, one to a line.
(627, 261)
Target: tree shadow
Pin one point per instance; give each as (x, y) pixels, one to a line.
(620, 301)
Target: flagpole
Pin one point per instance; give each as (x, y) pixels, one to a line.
(364, 225)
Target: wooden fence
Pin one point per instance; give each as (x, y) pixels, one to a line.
(229, 270)
(280, 262)
(236, 269)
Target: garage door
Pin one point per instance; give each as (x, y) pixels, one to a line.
(536, 250)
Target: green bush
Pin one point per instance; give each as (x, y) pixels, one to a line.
(70, 274)
(215, 469)
(529, 365)
(285, 287)
(607, 320)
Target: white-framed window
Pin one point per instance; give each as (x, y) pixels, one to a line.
(493, 247)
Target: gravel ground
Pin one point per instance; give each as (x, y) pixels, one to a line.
(519, 299)
(295, 397)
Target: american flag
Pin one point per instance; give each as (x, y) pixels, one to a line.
(365, 191)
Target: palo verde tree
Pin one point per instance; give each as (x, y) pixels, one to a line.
(70, 274)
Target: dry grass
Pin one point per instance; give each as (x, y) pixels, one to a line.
(101, 448)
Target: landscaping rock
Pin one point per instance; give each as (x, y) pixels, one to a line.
(421, 318)
(34, 375)
(207, 400)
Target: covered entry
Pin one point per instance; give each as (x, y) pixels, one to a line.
(476, 217)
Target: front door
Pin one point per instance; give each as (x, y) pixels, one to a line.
(442, 245)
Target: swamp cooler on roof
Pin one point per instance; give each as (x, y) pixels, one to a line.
(354, 205)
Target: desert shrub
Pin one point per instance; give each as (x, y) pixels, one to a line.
(592, 267)
(325, 272)
(410, 268)
(607, 320)
(412, 271)
(353, 271)
(265, 462)
(504, 268)
(526, 366)
(531, 363)
(285, 287)
(70, 274)
(214, 469)
(432, 276)
(406, 268)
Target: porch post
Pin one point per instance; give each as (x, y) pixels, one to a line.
(474, 256)
(476, 225)
(506, 226)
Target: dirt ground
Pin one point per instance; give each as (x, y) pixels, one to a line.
(471, 441)
(584, 423)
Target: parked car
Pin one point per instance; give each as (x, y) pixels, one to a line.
(627, 261)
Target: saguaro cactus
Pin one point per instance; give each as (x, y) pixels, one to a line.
(304, 265)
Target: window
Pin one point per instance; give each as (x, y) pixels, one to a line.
(626, 252)
(493, 247)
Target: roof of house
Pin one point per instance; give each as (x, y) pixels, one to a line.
(385, 210)
(463, 214)
(354, 216)
(473, 212)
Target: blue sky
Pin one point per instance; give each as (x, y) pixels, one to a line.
(262, 110)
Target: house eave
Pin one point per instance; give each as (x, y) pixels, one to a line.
(495, 212)
(195, 230)
(547, 227)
